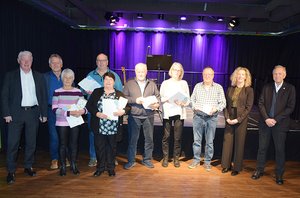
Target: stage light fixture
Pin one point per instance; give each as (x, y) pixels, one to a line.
(233, 23)
(139, 15)
(220, 19)
(182, 18)
(161, 16)
(111, 18)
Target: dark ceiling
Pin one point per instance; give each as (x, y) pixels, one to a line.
(274, 17)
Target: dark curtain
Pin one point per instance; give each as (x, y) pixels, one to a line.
(25, 28)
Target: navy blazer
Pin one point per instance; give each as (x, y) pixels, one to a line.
(284, 106)
(11, 96)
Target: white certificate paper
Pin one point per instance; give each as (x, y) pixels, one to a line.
(122, 102)
(148, 101)
(181, 97)
(207, 109)
(72, 120)
(89, 84)
(109, 107)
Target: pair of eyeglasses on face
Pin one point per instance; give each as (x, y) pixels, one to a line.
(98, 60)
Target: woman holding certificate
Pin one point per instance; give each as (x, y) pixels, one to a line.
(106, 115)
(175, 96)
(239, 99)
(68, 113)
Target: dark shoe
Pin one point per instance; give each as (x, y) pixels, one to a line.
(165, 162)
(97, 173)
(62, 171)
(234, 173)
(29, 172)
(257, 174)
(279, 180)
(111, 173)
(74, 168)
(10, 178)
(176, 162)
(225, 170)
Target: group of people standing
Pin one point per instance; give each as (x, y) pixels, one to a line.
(27, 94)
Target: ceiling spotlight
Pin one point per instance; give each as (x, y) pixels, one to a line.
(233, 23)
(220, 19)
(139, 16)
(182, 18)
(111, 18)
(161, 16)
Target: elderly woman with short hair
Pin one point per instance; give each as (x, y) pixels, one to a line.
(105, 129)
(62, 99)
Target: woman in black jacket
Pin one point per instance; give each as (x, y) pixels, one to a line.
(104, 127)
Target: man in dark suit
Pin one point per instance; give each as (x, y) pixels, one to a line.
(276, 103)
(24, 103)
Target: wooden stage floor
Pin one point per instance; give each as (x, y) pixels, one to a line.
(143, 182)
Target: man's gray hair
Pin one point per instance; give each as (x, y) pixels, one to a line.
(24, 53)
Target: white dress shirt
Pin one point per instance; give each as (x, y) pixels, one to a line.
(28, 89)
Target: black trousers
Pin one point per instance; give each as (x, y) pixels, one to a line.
(29, 121)
(178, 124)
(105, 146)
(234, 143)
(68, 141)
(279, 137)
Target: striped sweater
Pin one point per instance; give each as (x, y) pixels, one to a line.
(61, 100)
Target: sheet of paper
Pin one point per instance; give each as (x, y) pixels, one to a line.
(81, 103)
(148, 101)
(72, 120)
(207, 109)
(181, 97)
(122, 102)
(75, 121)
(89, 84)
(109, 107)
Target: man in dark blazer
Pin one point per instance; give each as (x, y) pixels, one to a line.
(24, 103)
(276, 103)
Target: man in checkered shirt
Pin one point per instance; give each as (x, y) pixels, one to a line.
(208, 99)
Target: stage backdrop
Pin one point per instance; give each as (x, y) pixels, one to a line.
(25, 28)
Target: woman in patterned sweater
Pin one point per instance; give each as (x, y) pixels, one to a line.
(62, 100)
(104, 128)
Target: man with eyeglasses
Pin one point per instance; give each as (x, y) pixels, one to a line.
(97, 75)
(208, 99)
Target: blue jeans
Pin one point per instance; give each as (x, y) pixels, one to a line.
(204, 125)
(91, 139)
(53, 136)
(134, 125)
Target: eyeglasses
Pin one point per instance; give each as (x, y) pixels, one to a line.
(98, 60)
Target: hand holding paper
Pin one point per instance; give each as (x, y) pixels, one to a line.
(149, 101)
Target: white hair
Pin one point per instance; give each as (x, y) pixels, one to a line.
(68, 72)
(24, 53)
(140, 65)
